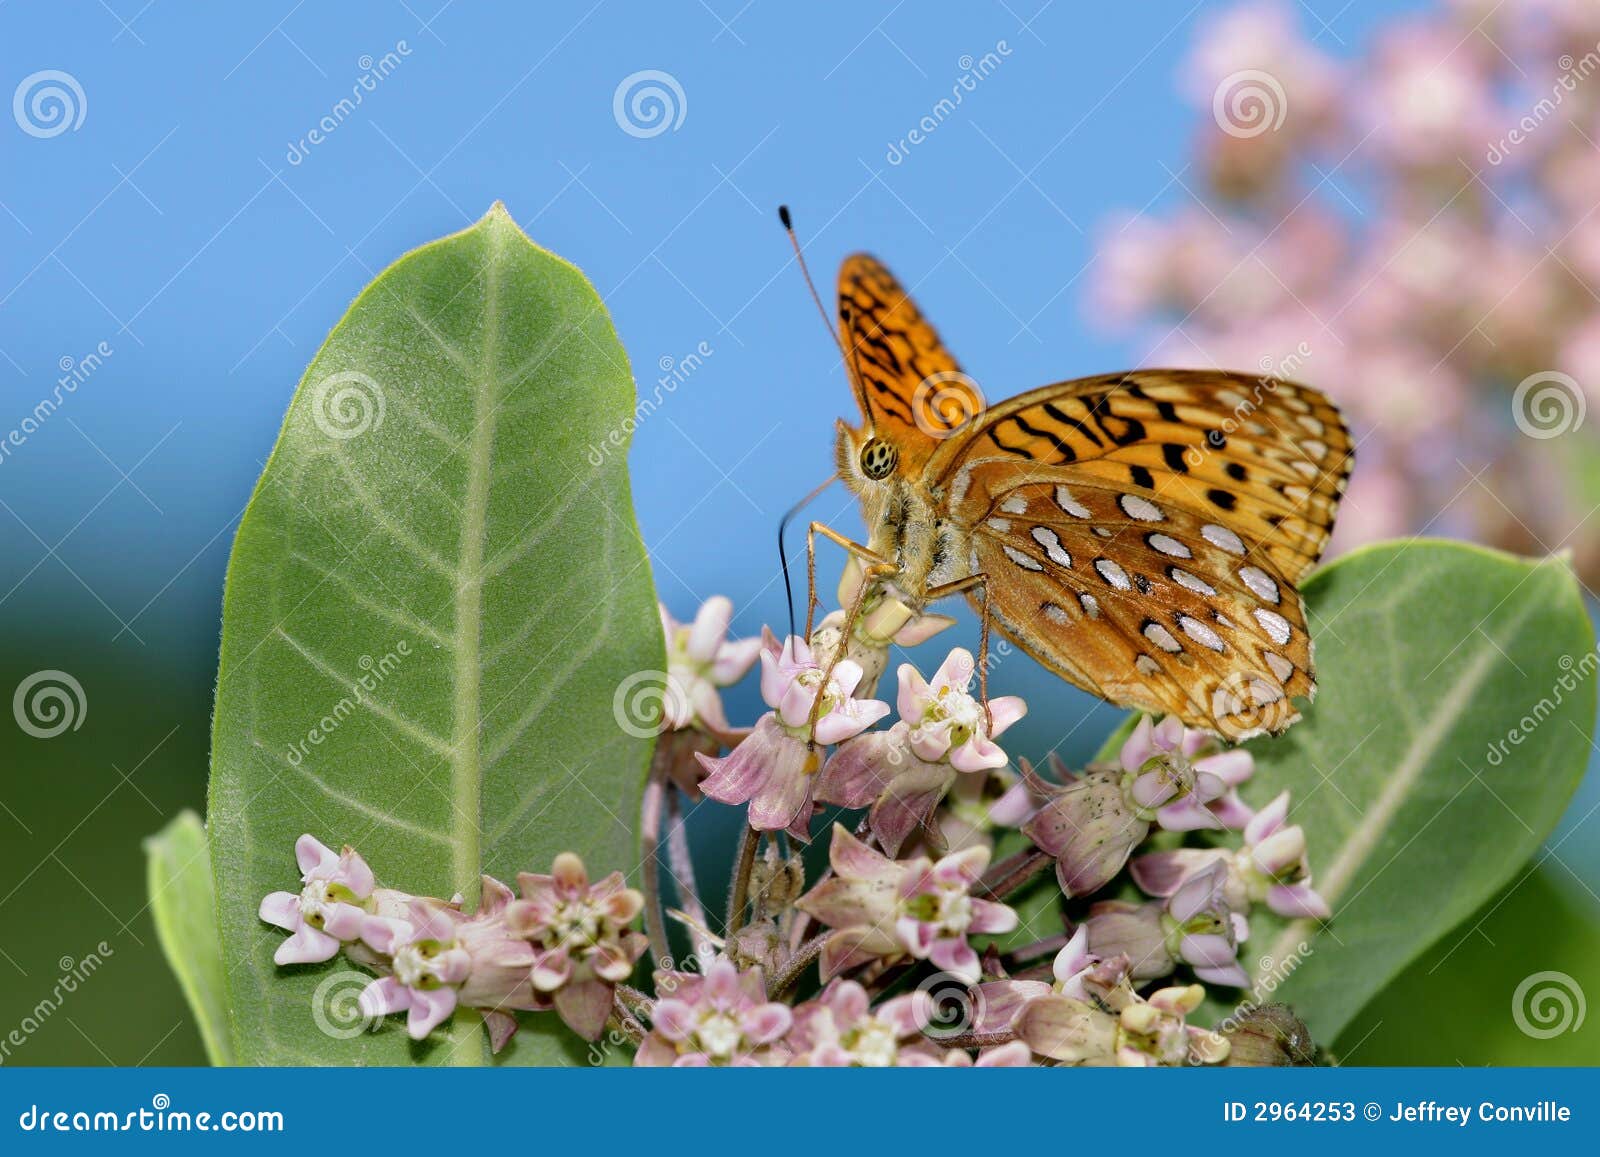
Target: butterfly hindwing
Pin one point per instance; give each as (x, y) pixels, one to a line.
(1146, 603)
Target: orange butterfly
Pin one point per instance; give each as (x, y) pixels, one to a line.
(1139, 534)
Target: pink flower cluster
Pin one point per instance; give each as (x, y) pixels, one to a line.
(911, 912)
(565, 944)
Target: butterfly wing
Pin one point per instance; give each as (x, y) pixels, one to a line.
(911, 388)
(1143, 534)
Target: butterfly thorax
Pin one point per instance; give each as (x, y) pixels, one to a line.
(905, 526)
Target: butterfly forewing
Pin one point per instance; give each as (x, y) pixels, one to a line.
(1266, 458)
(914, 393)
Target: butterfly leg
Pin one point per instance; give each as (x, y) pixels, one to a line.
(876, 567)
(959, 586)
(874, 560)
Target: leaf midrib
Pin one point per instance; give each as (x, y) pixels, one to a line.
(467, 763)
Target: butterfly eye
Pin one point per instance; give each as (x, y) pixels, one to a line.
(878, 459)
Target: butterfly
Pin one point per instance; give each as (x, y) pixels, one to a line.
(1140, 534)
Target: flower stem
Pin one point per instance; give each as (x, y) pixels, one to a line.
(794, 968)
(978, 1040)
(739, 891)
(1011, 873)
(655, 791)
(681, 865)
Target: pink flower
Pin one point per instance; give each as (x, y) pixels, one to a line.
(839, 1030)
(1166, 787)
(701, 658)
(1121, 1028)
(774, 768)
(427, 965)
(329, 908)
(905, 772)
(582, 945)
(1195, 926)
(887, 910)
(721, 1018)
(1166, 775)
(1269, 868)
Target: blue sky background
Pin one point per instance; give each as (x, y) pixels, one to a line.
(173, 225)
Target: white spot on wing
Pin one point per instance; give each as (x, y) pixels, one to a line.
(958, 488)
(1201, 633)
(1274, 624)
(1070, 504)
(1025, 561)
(1192, 582)
(1162, 637)
(1015, 505)
(1048, 539)
(1057, 614)
(1091, 607)
(1221, 536)
(1003, 525)
(1260, 582)
(1168, 545)
(1140, 508)
(1281, 667)
(1113, 574)
(1145, 665)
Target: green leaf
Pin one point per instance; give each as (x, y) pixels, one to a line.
(183, 906)
(1522, 963)
(1453, 725)
(434, 597)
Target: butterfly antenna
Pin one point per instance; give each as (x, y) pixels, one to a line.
(850, 355)
(783, 554)
(788, 227)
